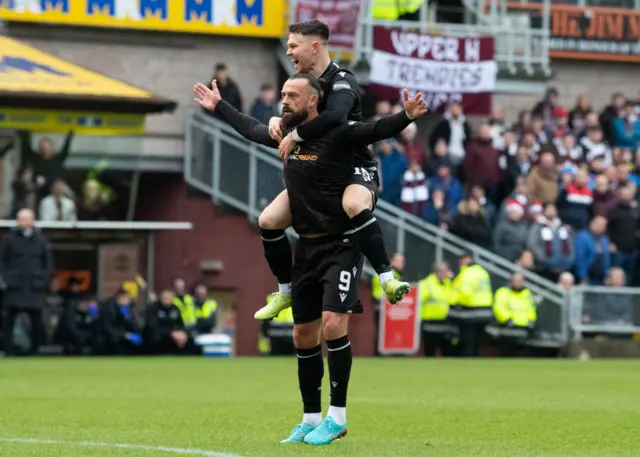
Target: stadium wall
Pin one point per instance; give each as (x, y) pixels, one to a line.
(231, 239)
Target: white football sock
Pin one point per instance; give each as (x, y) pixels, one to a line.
(386, 276)
(312, 418)
(285, 288)
(339, 415)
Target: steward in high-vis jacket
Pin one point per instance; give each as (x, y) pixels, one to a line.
(185, 303)
(436, 294)
(515, 315)
(279, 332)
(473, 308)
(205, 310)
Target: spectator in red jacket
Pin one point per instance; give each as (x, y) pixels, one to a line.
(574, 202)
(481, 163)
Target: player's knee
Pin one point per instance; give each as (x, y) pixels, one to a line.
(334, 325)
(355, 202)
(306, 336)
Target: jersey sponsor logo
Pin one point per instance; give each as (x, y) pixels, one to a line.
(341, 86)
(297, 156)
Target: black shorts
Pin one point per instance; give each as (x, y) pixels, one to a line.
(367, 177)
(325, 277)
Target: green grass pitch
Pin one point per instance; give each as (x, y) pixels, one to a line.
(245, 406)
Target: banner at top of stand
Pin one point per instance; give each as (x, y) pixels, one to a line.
(256, 18)
(30, 78)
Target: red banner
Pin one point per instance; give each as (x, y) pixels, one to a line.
(444, 69)
(400, 325)
(340, 15)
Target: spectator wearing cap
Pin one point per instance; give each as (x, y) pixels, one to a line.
(578, 114)
(610, 113)
(626, 128)
(551, 243)
(545, 108)
(510, 235)
(393, 164)
(593, 252)
(561, 123)
(413, 149)
(414, 190)
(543, 179)
(623, 217)
(438, 211)
(266, 105)
(450, 185)
(455, 130)
(575, 202)
(481, 164)
(593, 146)
(471, 224)
(440, 155)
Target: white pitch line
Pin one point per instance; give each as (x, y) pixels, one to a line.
(140, 447)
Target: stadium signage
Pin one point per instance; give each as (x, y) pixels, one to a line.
(341, 15)
(591, 33)
(400, 325)
(224, 17)
(443, 68)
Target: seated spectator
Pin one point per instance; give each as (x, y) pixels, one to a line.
(510, 235)
(393, 164)
(165, 332)
(438, 211)
(593, 253)
(470, 223)
(122, 333)
(551, 244)
(447, 183)
(486, 205)
(25, 192)
(604, 197)
(626, 129)
(455, 130)
(623, 220)
(566, 281)
(414, 190)
(206, 310)
(440, 155)
(57, 207)
(593, 146)
(413, 149)
(481, 164)
(265, 106)
(82, 328)
(569, 154)
(575, 202)
(543, 179)
(577, 116)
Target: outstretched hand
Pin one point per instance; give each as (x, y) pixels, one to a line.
(205, 97)
(415, 106)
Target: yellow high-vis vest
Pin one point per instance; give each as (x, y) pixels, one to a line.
(435, 298)
(517, 306)
(187, 309)
(474, 295)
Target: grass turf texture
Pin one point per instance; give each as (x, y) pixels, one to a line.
(397, 407)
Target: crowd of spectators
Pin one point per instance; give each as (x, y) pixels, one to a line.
(555, 191)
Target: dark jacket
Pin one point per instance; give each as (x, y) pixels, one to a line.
(82, 327)
(575, 206)
(622, 225)
(229, 93)
(161, 321)
(116, 322)
(474, 229)
(25, 266)
(510, 239)
(50, 169)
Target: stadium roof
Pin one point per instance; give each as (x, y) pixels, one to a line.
(32, 79)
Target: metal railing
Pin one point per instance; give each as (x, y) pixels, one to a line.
(247, 177)
(604, 310)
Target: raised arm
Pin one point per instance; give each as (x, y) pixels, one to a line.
(250, 128)
(341, 96)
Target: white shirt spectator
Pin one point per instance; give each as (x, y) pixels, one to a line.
(62, 209)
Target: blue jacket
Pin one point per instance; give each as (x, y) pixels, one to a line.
(624, 139)
(392, 168)
(586, 253)
(263, 112)
(452, 190)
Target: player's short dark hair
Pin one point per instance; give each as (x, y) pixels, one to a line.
(312, 80)
(313, 27)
